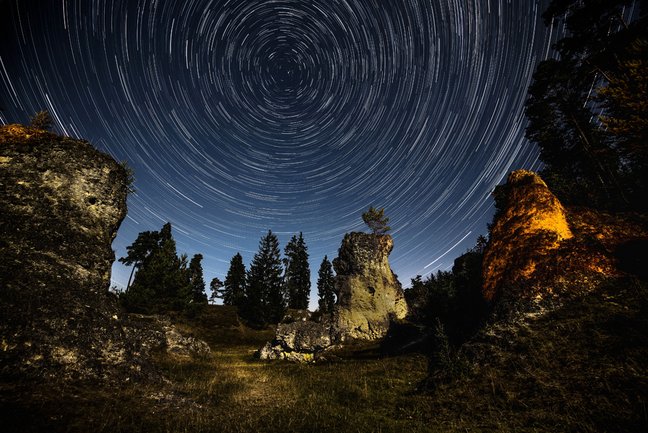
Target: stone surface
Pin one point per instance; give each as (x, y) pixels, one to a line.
(370, 298)
(302, 341)
(158, 333)
(530, 226)
(62, 203)
(369, 294)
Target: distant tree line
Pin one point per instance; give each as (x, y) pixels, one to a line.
(163, 281)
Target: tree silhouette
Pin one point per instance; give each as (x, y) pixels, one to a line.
(585, 155)
(376, 220)
(235, 282)
(196, 280)
(264, 301)
(41, 120)
(297, 276)
(216, 290)
(326, 287)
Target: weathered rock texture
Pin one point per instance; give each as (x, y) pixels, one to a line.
(369, 294)
(369, 299)
(62, 203)
(542, 252)
(298, 341)
(530, 225)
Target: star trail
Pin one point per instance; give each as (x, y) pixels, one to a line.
(240, 116)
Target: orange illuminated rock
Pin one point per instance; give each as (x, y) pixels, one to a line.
(530, 224)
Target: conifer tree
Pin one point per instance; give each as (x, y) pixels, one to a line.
(264, 297)
(233, 292)
(326, 287)
(137, 253)
(163, 280)
(297, 276)
(216, 290)
(579, 98)
(196, 280)
(376, 220)
(158, 281)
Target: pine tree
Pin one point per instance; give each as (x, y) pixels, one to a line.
(138, 252)
(376, 220)
(326, 287)
(216, 287)
(163, 280)
(264, 298)
(235, 282)
(297, 276)
(197, 280)
(158, 280)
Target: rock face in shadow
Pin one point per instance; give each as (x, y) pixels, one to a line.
(369, 294)
(529, 227)
(370, 298)
(62, 203)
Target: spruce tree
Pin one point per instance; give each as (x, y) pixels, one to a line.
(197, 280)
(264, 297)
(297, 276)
(326, 287)
(233, 292)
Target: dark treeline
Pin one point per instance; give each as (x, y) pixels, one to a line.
(451, 299)
(163, 281)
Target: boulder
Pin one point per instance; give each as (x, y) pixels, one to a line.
(302, 341)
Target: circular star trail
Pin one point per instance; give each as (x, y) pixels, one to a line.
(241, 116)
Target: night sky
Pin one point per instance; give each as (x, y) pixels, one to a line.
(241, 116)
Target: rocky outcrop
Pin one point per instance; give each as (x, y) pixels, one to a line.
(530, 225)
(541, 253)
(298, 341)
(370, 298)
(369, 294)
(62, 203)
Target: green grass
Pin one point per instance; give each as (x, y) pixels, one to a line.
(580, 368)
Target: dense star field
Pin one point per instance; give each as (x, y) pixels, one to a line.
(241, 116)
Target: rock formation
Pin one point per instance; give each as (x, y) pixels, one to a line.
(62, 203)
(539, 250)
(369, 299)
(369, 295)
(529, 226)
